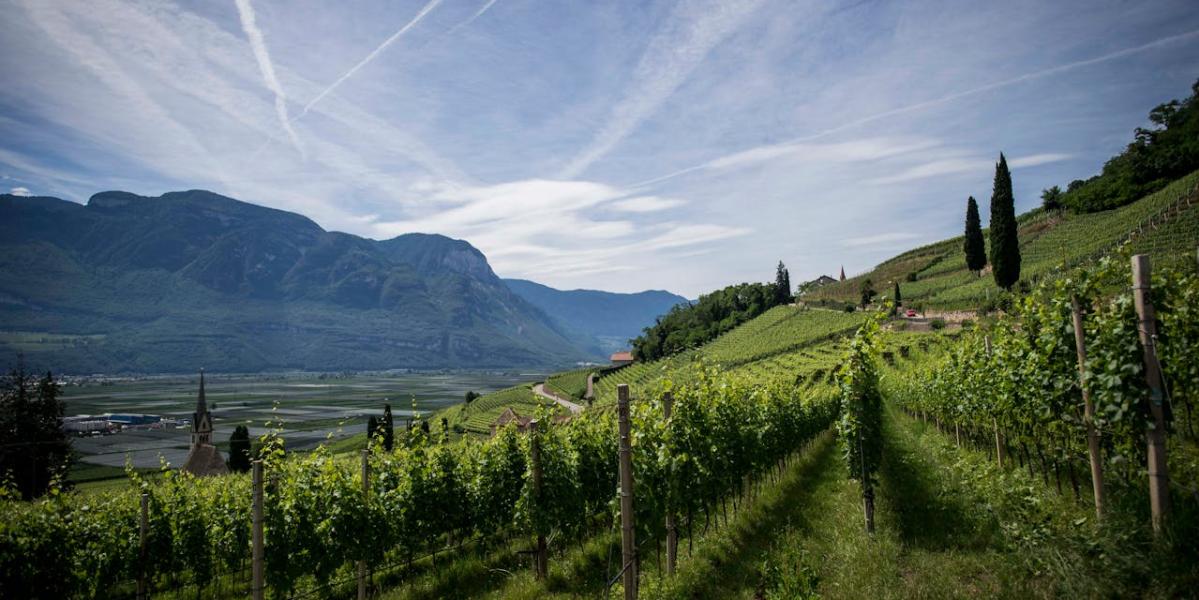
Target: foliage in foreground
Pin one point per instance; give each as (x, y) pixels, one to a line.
(422, 495)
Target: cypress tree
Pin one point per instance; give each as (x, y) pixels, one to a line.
(782, 285)
(1005, 247)
(976, 250)
(388, 430)
(239, 450)
(372, 428)
(898, 299)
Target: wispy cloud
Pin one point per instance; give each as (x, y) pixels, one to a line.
(880, 239)
(772, 151)
(245, 12)
(546, 227)
(646, 204)
(20, 191)
(695, 27)
(953, 166)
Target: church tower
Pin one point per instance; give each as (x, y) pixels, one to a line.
(201, 419)
(203, 458)
(842, 279)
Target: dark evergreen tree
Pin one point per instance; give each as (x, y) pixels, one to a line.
(974, 247)
(34, 449)
(471, 396)
(868, 293)
(782, 285)
(239, 449)
(372, 428)
(1051, 199)
(1005, 246)
(388, 429)
(898, 299)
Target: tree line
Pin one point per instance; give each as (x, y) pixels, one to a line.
(1157, 155)
(689, 326)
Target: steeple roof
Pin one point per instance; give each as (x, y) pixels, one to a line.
(201, 402)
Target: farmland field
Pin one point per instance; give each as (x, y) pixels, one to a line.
(308, 407)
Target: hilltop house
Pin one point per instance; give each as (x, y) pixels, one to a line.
(620, 359)
(203, 459)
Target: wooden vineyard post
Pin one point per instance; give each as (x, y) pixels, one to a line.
(1159, 479)
(258, 585)
(672, 534)
(144, 536)
(628, 546)
(1000, 447)
(540, 562)
(1088, 415)
(366, 490)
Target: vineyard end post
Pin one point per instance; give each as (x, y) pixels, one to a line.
(540, 561)
(672, 534)
(143, 535)
(628, 546)
(1088, 408)
(366, 490)
(258, 586)
(1159, 482)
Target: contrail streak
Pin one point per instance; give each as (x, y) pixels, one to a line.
(258, 45)
(369, 57)
(950, 98)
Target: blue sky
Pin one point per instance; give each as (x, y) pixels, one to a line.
(613, 145)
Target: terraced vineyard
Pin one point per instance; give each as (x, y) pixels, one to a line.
(1047, 241)
(478, 416)
(779, 329)
(570, 384)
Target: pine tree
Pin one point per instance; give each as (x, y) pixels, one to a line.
(1005, 247)
(782, 285)
(975, 248)
(388, 429)
(1051, 199)
(239, 449)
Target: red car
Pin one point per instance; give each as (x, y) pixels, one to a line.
(911, 312)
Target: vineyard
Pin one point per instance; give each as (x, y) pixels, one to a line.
(324, 514)
(570, 384)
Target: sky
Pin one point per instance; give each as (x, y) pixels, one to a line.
(618, 145)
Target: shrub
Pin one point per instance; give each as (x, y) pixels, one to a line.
(937, 324)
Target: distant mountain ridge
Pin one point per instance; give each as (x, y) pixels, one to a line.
(190, 279)
(609, 320)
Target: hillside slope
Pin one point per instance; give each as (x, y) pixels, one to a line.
(609, 320)
(191, 279)
(1164, 224)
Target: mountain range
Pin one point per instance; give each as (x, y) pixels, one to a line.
(192, 279)
(607, 320)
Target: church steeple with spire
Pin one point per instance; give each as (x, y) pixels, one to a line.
(201, 419)
(842, 279)
(203, 458)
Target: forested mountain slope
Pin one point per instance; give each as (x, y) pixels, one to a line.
(191, 279)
